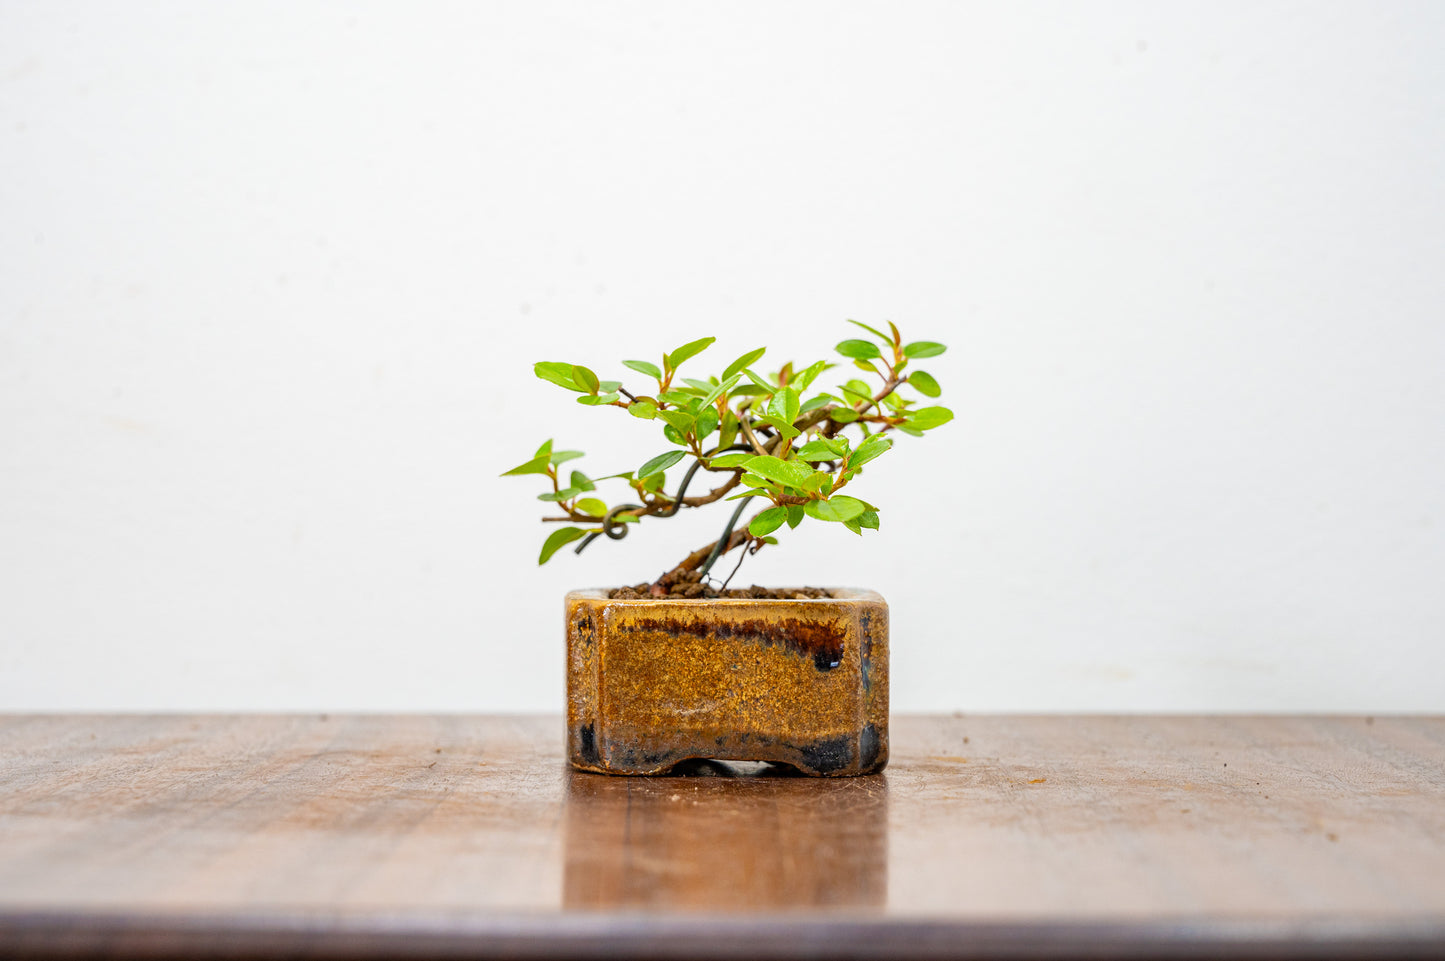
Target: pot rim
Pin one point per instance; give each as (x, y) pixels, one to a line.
(840, 595)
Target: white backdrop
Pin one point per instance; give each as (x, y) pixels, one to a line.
(273, 276)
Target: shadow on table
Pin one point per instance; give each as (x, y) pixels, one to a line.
(716, 836)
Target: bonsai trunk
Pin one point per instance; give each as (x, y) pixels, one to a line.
(735, 539)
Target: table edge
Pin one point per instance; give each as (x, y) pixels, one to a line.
(356, 934)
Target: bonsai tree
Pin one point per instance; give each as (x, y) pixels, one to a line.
(770, 440)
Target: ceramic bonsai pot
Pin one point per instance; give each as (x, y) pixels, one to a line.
(801, 682)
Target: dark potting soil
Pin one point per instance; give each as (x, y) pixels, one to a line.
(690, 586)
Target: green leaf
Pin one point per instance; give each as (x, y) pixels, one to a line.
(735, 459)
(753, 480)
(675, 397)
(653, 482)
(558, 538)
(814, 403)
(868, 519)
(923, 348)
(596, 400)
(795, 515)
(643, 367)
(814, 453)
(927, 418)
(609, 386)
(727, 430)
(746, 360)
(645, 409)
(701, 386)
(750, 390)
(681, 421)
(872, 330)
(816, 482)
(673, 435)
(546, 448)
(859, 349)
(840, 508)
(675, 359)
(660, 463)
(768, 521)
(843, 415)
(854, 526)
(592, 506)
(924, 383)
(823, 448)
(897, 337)
(706, 423)
(557, 373)
(869, 449)
(582, 482)
(789, 472)
(856, 392)
(781, 426)
(561, 456)
(738, 497)
(784, 406)
(565, 494)
(806, 378)
(585, 379)
(537, 465)
(727, 384)
(758, 379)
(770, 540)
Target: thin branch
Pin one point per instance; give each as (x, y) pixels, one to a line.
(742, 555)
(745, 427)
(715, 494)
(888, 388)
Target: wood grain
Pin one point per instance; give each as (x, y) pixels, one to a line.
(459, 836)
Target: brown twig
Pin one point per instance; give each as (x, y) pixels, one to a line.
(742, 556)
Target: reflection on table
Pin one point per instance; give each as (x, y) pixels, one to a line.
(725, 837)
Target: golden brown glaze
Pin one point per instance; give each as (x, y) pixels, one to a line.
(800, 682)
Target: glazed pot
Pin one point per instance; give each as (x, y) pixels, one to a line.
(801, 682)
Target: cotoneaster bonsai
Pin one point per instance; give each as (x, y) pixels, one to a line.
(682, 667)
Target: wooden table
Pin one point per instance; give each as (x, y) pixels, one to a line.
(456, 836)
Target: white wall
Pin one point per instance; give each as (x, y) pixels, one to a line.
(273, 276)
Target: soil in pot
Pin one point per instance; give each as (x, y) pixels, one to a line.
(689, 585)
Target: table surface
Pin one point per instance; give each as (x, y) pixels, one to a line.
(457, 836)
